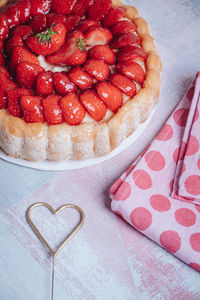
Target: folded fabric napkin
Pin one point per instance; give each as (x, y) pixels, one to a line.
(147, 195)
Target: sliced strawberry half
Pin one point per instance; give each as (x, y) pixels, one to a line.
(86, 24)
(110, 95)
(64, 7)
(44, 83)
(5, 72)
(6, 84)
(72, 53)
(93, 104)
(3, 100)
(81, 6)
(20, 54)
(114, 14)
(62, 83)
(38, 23)
(123, 27)
(102, 52)
(131, 53)
(26, 74)
(13, 100)
(4, 28)
(99, 9)
(24, 31)
(12, 14)
(13, 42)
(97, 68)
(48, 42)
(98, 36)
(32, 109)
(24, 8)
(72, 21)
(55, 18)
(132, 70)
(125, 39)
(52, 110)
(124, 84)
(73, 110)
(40, 7)
(81, 78)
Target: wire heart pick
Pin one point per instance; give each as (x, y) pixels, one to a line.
(43, 240)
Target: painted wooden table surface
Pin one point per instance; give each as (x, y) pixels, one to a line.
(107, 259)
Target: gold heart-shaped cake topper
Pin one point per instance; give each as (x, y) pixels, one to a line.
(55, 212)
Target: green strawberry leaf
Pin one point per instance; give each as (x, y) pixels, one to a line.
(80, 43)
(46, 35)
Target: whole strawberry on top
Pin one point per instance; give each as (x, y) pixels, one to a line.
(48, 41)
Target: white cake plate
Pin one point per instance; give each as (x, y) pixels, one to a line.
(74, 164)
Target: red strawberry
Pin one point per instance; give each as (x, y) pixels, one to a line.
(6, 84)
(4, 28)
(109, 94)
(99, 9)
(13, 42)
(62, 83)
(1, 44)
(74, 35)
(98, 36)
(13, 100)
(32, 109)
(131, 53)
(64, 7)
(72, 53)
(20, 54)
(44, 83)
(3, 100)
(93, 104)
(40, 7)
(124, 84)
(24, 31)
(102, 52)
(47, 42)
(85, 24)
(73, 110)
(26, 74)
(38, 23)
(81, 78)
(81, 6)
(132, 70)
(52, 110)
(24, 8)
(97, 68)
(55, 18)
(2, 60)
(5, 72)
(123, 27)
(125, 39)
(13, 15)
(72, 21)
(114, 14)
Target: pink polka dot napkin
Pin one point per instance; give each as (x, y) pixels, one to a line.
(147, 195)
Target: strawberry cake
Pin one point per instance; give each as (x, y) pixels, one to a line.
(77, 77)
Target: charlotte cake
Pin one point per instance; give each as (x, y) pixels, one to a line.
(77, 102)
